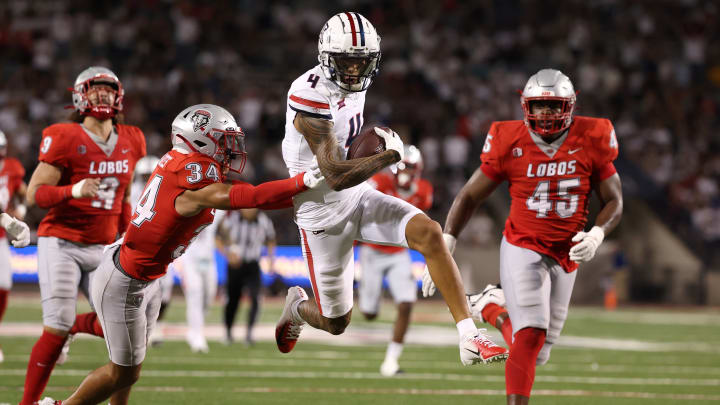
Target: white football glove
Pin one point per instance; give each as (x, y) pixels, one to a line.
(16, 229)
(589, 242)
(428, 285)
(313, 176)
(392, 142)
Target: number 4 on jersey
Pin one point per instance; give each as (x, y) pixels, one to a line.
(145, 208)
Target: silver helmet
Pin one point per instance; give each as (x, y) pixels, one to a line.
(553, 86)
(146, 165)
(83, 84)
(210, 130)
(349, 51)
(410, 167)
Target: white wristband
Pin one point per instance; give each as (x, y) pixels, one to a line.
(77, 189)
(450, 242)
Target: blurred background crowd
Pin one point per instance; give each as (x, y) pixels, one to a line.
(449, 68)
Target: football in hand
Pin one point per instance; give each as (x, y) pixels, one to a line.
(366, 144)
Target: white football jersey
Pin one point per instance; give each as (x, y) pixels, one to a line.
(316, 96)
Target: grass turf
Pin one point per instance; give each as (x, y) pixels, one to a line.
(328, 374)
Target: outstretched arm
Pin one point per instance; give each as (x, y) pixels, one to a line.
(229, 197)
(474, 192)
(339, 173)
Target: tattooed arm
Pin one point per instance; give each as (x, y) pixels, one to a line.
(339, 173)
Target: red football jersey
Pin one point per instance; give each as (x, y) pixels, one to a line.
(69, 147)
(157, 234)
(549, 192)
(11, 177)
(421, 196)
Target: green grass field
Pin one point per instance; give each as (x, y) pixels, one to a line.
(630, 356)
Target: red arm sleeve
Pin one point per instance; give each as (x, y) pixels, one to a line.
(124, 218)
(271, 192)
(49, 196)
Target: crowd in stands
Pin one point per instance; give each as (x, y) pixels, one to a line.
(449, 68)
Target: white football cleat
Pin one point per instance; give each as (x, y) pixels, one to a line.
(65, 350)
(48, 401)
(2, 356)
(389, 368)
(492, 294)
(475, 348)
(288, 328)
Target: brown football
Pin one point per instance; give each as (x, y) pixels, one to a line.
(366, 144)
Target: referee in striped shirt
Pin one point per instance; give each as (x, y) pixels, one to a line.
(241, 235)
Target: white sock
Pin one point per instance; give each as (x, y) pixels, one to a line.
(294, 310)
(394, 350)
(466, 326)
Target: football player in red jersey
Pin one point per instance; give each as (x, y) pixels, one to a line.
(83, 176)
(11, 185)
(178, 202)
(552, 162)
(393, 262)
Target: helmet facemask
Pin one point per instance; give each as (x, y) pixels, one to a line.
(101, 96)
(558, 120)
(230, 151)
(352, 72)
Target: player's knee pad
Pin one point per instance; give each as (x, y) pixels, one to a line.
(59, 313)
(544, 354)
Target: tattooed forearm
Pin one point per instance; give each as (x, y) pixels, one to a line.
(339, 174)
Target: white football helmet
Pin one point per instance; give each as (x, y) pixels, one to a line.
(548, 85)
(85, 80)
(211, 130)
(146, 165)
(410, 167)
(3, 145)
(349, 51)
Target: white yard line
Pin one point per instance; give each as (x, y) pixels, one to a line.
(408, 362)
(339, 375)
(420, 392)
(417, 335)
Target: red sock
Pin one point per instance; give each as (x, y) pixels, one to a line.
(42, 361)
(3, 301)
(506, 329)
(490, 314)
(520, 366)
(87, 323)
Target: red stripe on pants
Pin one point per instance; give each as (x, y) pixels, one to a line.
(311, 267)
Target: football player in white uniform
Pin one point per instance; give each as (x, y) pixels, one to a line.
(198, 271)
(324, 115)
